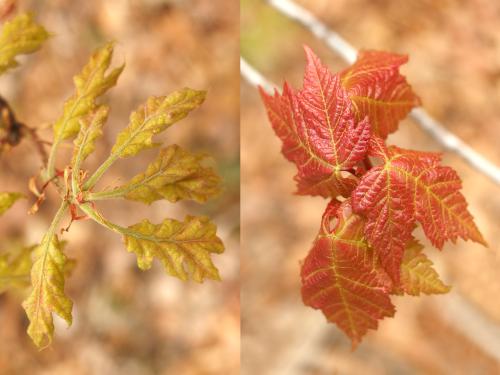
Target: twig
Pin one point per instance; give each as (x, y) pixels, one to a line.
(253, 76)
(37, 141)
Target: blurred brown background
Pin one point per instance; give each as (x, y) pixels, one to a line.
(454, 49)
(127, 321)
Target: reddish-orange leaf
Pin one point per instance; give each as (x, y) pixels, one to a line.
(342, 276)
(319, 132)
(435, 191)
(379, 91)
(442, 209)
(383, 198)
(410, 186)
(331, 129)
(328, 113)
(316, 175)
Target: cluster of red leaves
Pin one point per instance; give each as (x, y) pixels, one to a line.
(334, 130)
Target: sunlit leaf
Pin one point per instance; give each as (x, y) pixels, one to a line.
(47, 295)
(390, 220)
(334, 130)
(378, 90)
(184, 248)
(90, 131)
(342, 276)
(441, 208)
(20, 36)
(176, 174)
(417, 274)
(410, 186)
(7, 200)
(319, 131)
(152, 118)
(93, 81)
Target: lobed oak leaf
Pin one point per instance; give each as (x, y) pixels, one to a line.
(93, 81)
(319, 132)
(22, 35)
(176, 174)
(15, 266)
(342, 276)
(47, 295)
(417, 274)
(378, 90)
(151, 118)
(184, 248)
(90, 130)
(7, 200)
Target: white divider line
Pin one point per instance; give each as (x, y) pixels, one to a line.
(339, 45)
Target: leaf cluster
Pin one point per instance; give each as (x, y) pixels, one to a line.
(185, 247)
(335, 129)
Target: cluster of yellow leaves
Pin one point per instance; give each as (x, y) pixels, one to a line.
(184, 248)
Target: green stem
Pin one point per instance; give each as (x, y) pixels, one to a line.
(98, 218)
(57, 219)
(100, 171)
(107, 194)
(118, 192)
(78, 162)
(50, 171)
(116, 155)
(47, 238)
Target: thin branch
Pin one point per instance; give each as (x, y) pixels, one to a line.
(340, 46)
(37, 141)
(309, 20)
(253, 76)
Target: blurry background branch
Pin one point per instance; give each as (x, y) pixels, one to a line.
(339, 45)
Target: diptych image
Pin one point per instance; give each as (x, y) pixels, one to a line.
(275, 187)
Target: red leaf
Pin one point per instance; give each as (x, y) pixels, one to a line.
(442, 209)
(342, 276)
(382, 197)
(327, 111)
(410, 186)
(319, 132)
(364, 250)
(379, 91)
